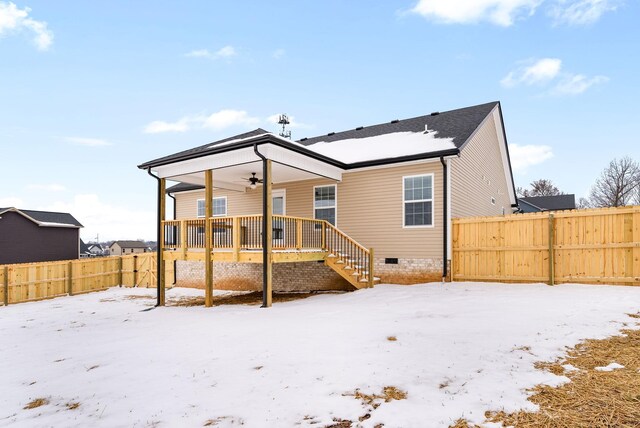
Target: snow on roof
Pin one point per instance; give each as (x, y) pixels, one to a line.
(383, 146)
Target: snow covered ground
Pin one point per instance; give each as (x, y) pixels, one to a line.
(461, 349)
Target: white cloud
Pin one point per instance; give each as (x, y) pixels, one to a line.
(278, 53)
(228, 118)
(575, 84)
(13, 20)
(220, 120)
(89, 142)
(159, 126)
(224, 52)
(581, 12)
(522, 157)
(47, 187)
(530, 73)
(499, 12)
(11, 201)
(506, 12)
(109, 221)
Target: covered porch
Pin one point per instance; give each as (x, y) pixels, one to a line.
(248, 165)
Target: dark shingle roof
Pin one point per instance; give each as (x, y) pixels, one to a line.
(84, 248)
(131, 244)
(550, 203)
(203, 148)
(457, 124)
(48, 216)
(183, 187)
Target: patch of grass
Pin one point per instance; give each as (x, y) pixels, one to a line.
(72, 405)
(392, 338)
(92, 367)
(593, 399)
(36, 403)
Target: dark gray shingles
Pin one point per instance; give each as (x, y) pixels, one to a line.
(50, 217)
(558, 202)
(457, 124)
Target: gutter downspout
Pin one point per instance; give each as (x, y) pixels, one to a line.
(265, 257)
(159, 234)
(445, 222)
(175, 262)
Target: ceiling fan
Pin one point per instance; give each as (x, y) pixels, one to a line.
(253, 180)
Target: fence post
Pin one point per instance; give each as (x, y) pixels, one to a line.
(70, 278)
(370, 285)
(135, 271)
(235, 230)
(6, 285)
(120, 263)
(183, 239)
(551, 252)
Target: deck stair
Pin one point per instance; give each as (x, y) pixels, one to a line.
(348, 258)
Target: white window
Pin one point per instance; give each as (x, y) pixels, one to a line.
(418, 200)
(219, 207)
(324, 203)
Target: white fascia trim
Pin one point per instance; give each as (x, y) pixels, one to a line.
(503, 153)
(246, 155)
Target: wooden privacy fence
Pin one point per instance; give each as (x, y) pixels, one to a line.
(36, 281)
(583, 246)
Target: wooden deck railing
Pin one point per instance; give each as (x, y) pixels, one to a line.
(245, 233)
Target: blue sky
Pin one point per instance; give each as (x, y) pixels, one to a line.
(89, 90)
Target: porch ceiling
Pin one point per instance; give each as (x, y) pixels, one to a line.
(230, 169)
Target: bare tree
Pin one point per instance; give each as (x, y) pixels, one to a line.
(541, 187)
(617, 185)
(583, 203)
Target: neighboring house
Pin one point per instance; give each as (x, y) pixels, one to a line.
(393, 187)
(37, 236)
(84, 250)
(96, 250)
(120, 248)
(546, 203)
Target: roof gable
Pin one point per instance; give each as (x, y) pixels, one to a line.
(46, 218)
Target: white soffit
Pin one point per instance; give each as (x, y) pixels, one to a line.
(190, 171)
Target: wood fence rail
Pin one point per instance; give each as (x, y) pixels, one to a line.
(583, 246)
(27, 282)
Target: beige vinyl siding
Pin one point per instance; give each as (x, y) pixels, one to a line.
(478, 175)
(369, 208)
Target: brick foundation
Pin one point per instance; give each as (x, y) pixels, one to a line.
(409, 271)
(303, 276)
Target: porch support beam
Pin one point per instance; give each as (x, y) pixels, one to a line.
(267, 228)
(208, 208)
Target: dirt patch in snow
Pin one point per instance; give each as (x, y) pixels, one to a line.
(36, 403)
(253, 298)
(593, 398)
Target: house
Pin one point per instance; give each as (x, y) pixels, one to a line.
(534, 204)
(84, 250)
(120, 248)
(38, 236)
(97, 250)
(346, 209)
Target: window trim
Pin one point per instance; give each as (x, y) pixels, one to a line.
(432, 200)
(226, 206)
(335, 205)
